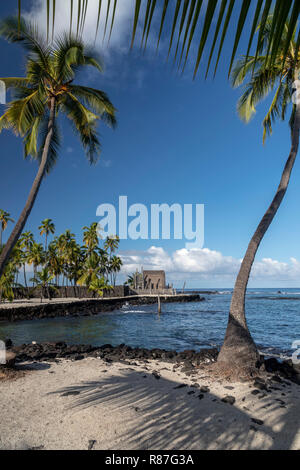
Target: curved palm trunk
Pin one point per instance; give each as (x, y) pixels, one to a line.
(32, 195)
(239, 349)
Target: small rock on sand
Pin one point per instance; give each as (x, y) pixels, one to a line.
(229, 399)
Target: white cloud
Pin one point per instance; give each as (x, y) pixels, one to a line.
(105, 163)
(209, 265)
(122, 22)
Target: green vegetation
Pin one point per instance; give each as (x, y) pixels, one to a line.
(63, 263)
(4, 219)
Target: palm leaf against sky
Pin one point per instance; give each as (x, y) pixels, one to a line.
(264, 76)
(191, 21)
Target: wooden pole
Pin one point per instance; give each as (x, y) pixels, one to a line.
(158, 304)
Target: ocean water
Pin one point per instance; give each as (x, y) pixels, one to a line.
(273, 317)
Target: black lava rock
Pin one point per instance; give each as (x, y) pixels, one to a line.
(257, 421)
(228, 399)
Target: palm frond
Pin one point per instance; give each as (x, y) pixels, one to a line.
(174, 23)
(97, 100)
(26, 34)
(15, 82)
(273, 113)
(219, 22)
(84, 125)
(225, 28)
(77, 111)
(207, 22)
(98, 18)
(71, 54)
(21, 113)
(187, 27)
(113, 18)
(31, 139)
(243, 67)
(284, 11)
(256, 90)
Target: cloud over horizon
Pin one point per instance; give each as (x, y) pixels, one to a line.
(209, 266)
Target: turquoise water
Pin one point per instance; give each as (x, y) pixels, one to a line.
(273, 318)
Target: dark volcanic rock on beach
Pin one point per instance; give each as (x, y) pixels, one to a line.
(228, 399)
(50, 351)
(285, 369)
(189, 361)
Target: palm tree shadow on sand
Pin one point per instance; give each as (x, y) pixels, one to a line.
(171, 418)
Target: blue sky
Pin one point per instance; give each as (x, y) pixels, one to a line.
(177, 141)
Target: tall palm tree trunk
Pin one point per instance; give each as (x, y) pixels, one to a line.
(239, 349)
(25, 277)
(32, 195)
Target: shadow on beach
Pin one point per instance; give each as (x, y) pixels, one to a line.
(168, 417)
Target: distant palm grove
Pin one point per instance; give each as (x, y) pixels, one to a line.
(60, 262)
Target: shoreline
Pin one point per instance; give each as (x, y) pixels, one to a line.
(144, 404)
(122, 353)
(35, 309)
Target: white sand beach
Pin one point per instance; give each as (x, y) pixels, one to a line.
(93, 404)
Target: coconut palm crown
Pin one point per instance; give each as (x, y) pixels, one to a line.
(265, 77)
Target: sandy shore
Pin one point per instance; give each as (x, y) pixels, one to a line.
(77, 404)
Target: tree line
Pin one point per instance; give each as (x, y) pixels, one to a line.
(62, 262)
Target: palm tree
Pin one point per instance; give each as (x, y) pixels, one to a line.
(91, 237)
(42, 280)
(46, 227)
(54, 261)
(112, 243)
(47, 90)
(26, 242)
(4, 219)
(98, 286)
(282, 77)
(17, 260)
(8, 278)
(7, 283)
(130, 280)
(91, 270)
(73, 261)
(36, 256)
(104, 262)
(185, 19)
(115, 266)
